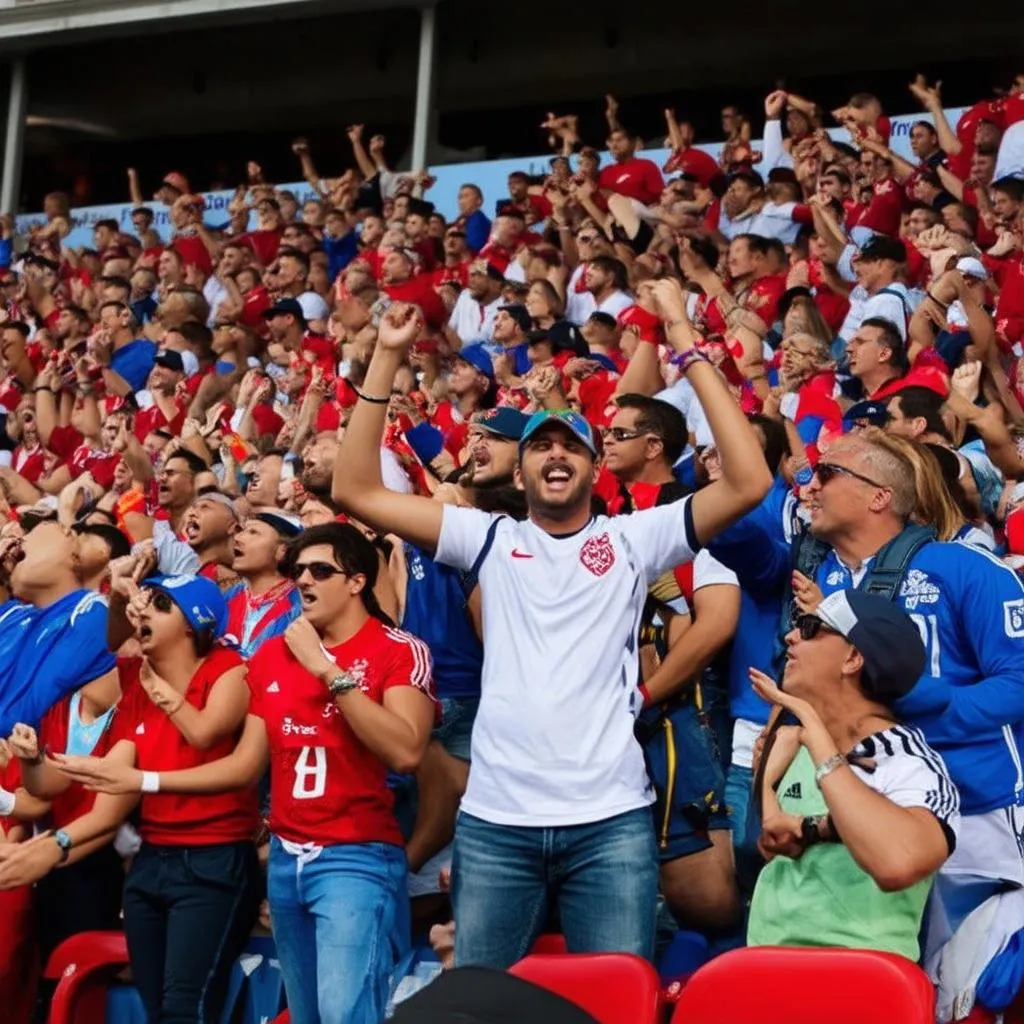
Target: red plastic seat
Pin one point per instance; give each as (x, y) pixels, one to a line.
(771, 985)
(548, 943)
(614, 988)
(84, 964)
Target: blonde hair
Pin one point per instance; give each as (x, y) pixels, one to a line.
(805, 310)
(931, 504)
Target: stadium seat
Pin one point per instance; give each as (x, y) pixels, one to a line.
(614, 988)
(771, 985)
(82, 966)
(548, 943)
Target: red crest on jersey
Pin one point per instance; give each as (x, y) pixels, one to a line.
(598, 555)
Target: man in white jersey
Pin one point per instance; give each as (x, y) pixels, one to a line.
(557, 803)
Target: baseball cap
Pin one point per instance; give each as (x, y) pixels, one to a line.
(876, 413)
(518, 312)
(286, 525)
(502, 421)
(971, 266)
(199, 599)
(282, 306)
(890, 644)
(883, 247)
(183, 361)
(313, 306)
(478, 357)
(176, 180)
(568, 418)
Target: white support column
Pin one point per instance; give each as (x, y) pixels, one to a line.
(424, 117)
(14, 140)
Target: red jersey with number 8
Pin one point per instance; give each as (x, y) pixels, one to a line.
(328, 788)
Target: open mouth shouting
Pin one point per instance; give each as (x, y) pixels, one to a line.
(557, 475)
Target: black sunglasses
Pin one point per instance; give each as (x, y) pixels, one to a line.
(825, 471)
(320, 571)
(622, 434)
(810, 626)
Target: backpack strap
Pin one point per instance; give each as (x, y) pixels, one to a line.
(806, 554)
(903, 302)
(468, 580)
(890, 564)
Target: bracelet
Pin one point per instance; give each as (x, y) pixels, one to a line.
(150, 782)
(685, 360)
(372, 399)
(826, 768)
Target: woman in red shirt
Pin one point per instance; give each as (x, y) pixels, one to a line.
(191, 896)
(337, 701)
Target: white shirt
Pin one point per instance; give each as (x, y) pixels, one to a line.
(578, 305)
(471, 321)
(553, 740)
(615, 303)
(885, 304)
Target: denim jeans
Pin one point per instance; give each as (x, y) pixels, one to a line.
(602, 877)
(188, 911)
(341, 922)
(745, 829)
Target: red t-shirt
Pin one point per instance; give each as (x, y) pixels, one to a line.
(459, 274)
(883, 214)
(182, 819)
(637, 179)
(419, 290)
(264, 244)
(695, 163)
(193, 252)
(54, 729)
(29, 464)
(763, 297)
(328, 787)
(153, 418)
(498, 255)
(254, 305)
(1009, 314)
(967, 126)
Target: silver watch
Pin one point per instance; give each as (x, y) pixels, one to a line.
(341, 683)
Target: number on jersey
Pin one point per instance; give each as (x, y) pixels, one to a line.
(310, 773)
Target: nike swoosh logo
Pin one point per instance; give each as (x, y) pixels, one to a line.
(516, 553)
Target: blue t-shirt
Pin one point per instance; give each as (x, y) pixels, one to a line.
(134, 361)
(435, 611)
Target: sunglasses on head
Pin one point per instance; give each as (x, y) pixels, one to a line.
(826, 471)
(810, 626)
(320, 571)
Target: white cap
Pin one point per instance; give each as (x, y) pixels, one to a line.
(189, 361)
(313, 306)
(972, 267)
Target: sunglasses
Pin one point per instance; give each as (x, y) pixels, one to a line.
(826, 471)
(320, 571)
(622, 434)
(810, 626)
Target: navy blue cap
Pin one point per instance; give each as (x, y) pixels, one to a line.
(890, 644)
(199, 599)
(568, 418)
(606, 362)
(478, 357)
(876, 413)
(292, 306)
(503, 421)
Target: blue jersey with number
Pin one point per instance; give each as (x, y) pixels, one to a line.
(969, 703)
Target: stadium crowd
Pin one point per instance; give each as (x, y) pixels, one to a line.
(639, 554)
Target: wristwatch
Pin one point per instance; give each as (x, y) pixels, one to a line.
(341, 683)
(65, 842)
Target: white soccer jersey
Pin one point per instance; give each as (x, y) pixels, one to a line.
(553, 740)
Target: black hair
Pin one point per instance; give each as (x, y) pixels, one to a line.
(925, 404)
(749, 178)
(776, 444)
(296, 254)
(763, 245)
(604, 319)
(116, 540)
(661, 419)
(193, 461)
(353, 553)
(109, 223)
(1013, 187)
(706, 249)
(615, 267)
(890, 338)
(113, 281)
(196, 334)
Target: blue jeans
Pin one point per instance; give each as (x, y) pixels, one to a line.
(341, 923)
(745, 832)
(602, 877)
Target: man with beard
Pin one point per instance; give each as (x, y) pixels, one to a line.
(472, 318)
(556, 810)
(210, 525)
(265, 602)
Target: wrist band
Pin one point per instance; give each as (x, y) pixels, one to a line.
(645, 693)
(6, 802)
(372, 399)
(150, 782)
(826, 768)
(685, 360)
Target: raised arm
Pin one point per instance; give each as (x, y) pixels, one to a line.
(745, 477)
(357, 486)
